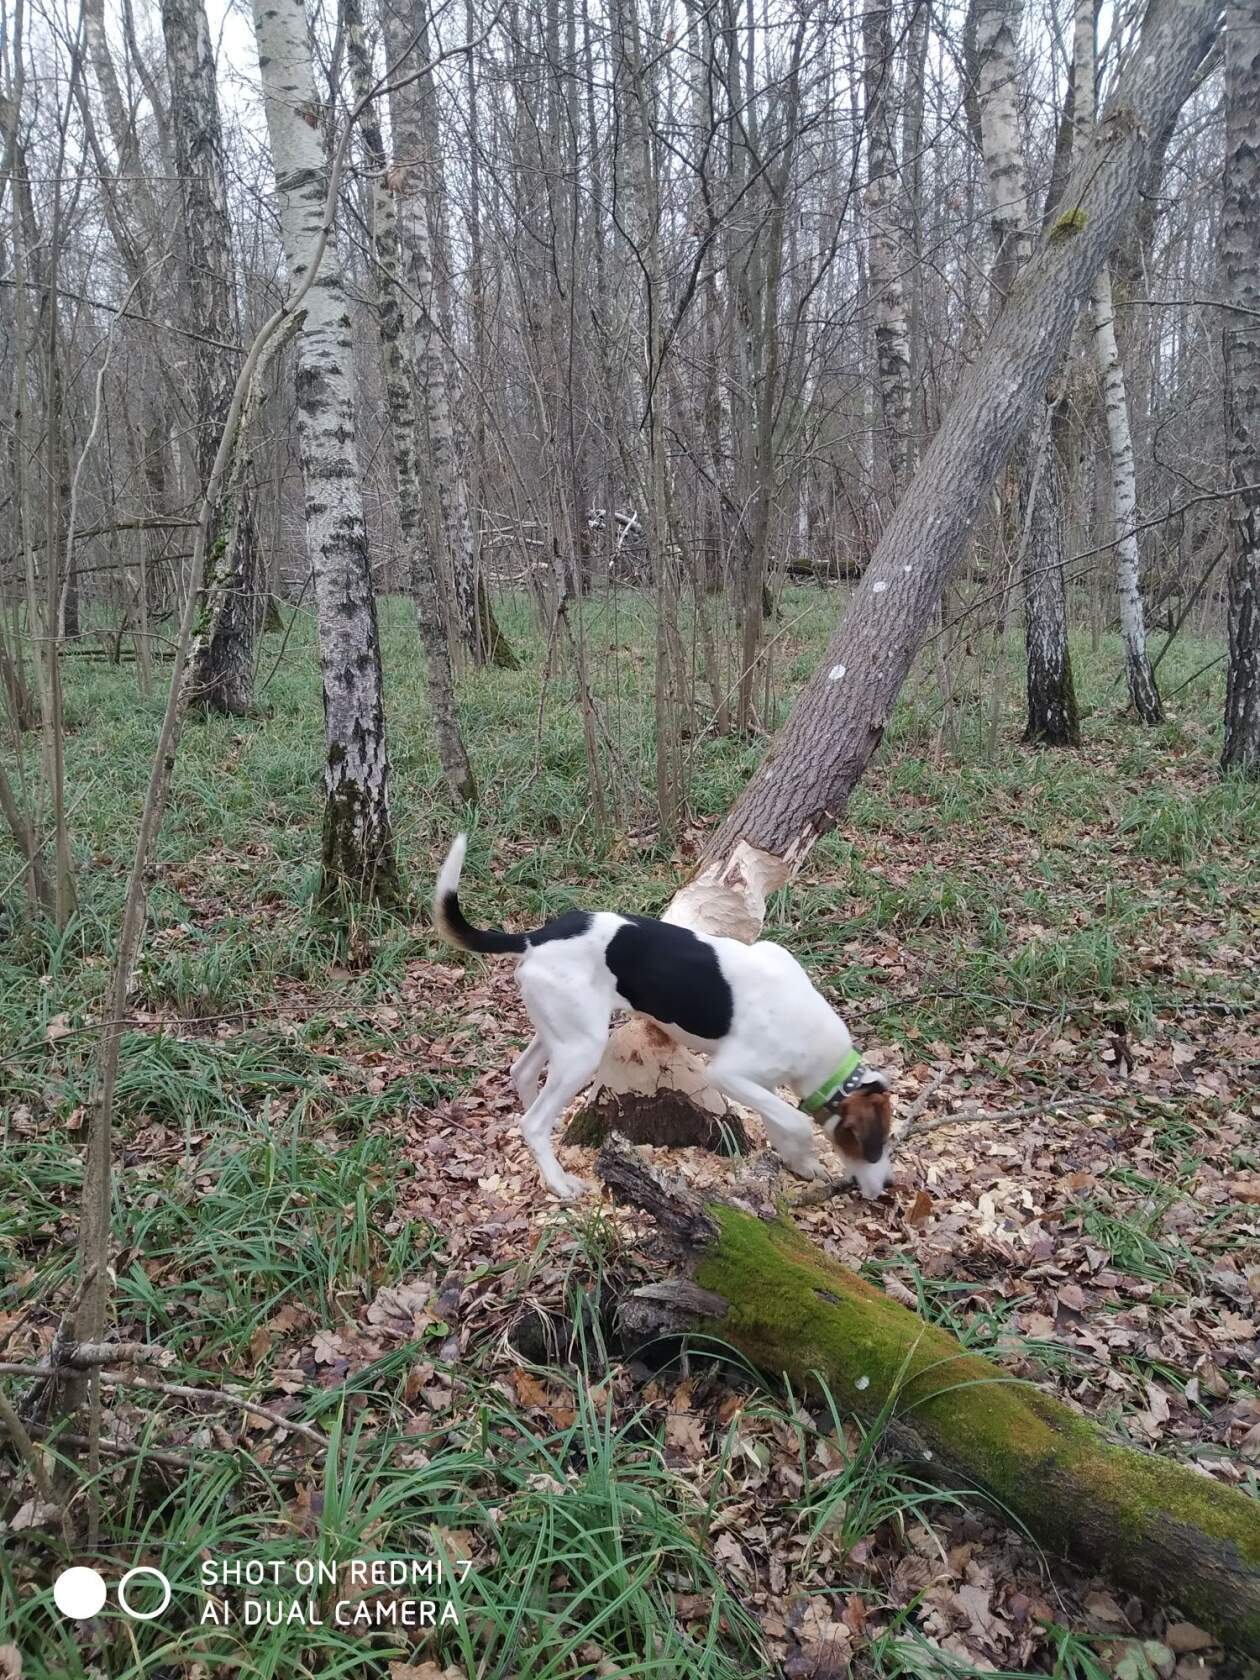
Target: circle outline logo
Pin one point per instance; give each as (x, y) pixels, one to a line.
(143, 1615)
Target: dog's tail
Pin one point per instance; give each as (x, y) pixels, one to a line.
(450, 920)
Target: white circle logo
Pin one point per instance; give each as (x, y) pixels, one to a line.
(79, 1592)
(143, 1615)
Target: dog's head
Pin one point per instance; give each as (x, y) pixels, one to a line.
(860, 1127)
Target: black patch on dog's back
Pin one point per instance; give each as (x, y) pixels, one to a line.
(571, 925)
(666, 972)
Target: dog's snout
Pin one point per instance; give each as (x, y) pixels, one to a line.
(873, 1179)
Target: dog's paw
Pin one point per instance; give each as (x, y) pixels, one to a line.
(569, 1188)
(809, 1167)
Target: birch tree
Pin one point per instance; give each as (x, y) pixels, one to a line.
(222, 667)
(892, 339)
(1239, 257)
(1143, 695)
(357, 854)
(1036, 489)
(391, 319)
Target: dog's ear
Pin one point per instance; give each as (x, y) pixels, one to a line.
(863, 1123)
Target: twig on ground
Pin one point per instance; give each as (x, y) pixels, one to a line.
(115, 1448)
(181, 1391)
(908, 1119)
(81, 1355)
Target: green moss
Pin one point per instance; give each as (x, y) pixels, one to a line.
(798, 1312)
(589, 1128)
(1071, 222)
(357, 860)
(206, 611)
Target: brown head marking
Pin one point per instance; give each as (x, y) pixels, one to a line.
(859, 1125)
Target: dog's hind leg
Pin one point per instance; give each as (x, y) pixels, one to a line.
(527, 1069)
(572, 1021)
(573, 1066)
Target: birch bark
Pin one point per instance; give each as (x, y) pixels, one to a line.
(391, 320)
(358, 847)
(1143, 695)
(892, 339)
(1239, 260)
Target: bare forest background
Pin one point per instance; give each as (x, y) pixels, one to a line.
(672, 297)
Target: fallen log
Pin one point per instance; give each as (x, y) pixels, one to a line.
(1170, 1534)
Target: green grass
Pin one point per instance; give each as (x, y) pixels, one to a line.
(1133, 1240)
(273, 1218)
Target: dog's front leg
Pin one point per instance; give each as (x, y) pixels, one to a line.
(791, 1133)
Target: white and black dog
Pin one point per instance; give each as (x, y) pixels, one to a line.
(752, 1008)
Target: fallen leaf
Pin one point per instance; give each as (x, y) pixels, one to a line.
(423, 1671)
(328, 1347)
(684, 1432)
(35, 1513)
(1185, 1636)
(1150, 1657)
(920, 1208)
(529, 1391)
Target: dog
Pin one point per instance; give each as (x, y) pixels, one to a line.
(751, 1008)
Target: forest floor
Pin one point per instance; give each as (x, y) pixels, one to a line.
(324, 1198)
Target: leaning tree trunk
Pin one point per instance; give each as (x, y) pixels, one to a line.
(1143, 695)
(1239, 258)
(1176, 1537)
(836, 724)
(892, 339)
(358, 846)
(221, 673)
(819, 755)
(391, 323)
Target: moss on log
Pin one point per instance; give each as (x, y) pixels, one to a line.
(1171, 1534)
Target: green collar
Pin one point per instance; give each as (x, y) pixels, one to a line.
(848, 1067)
